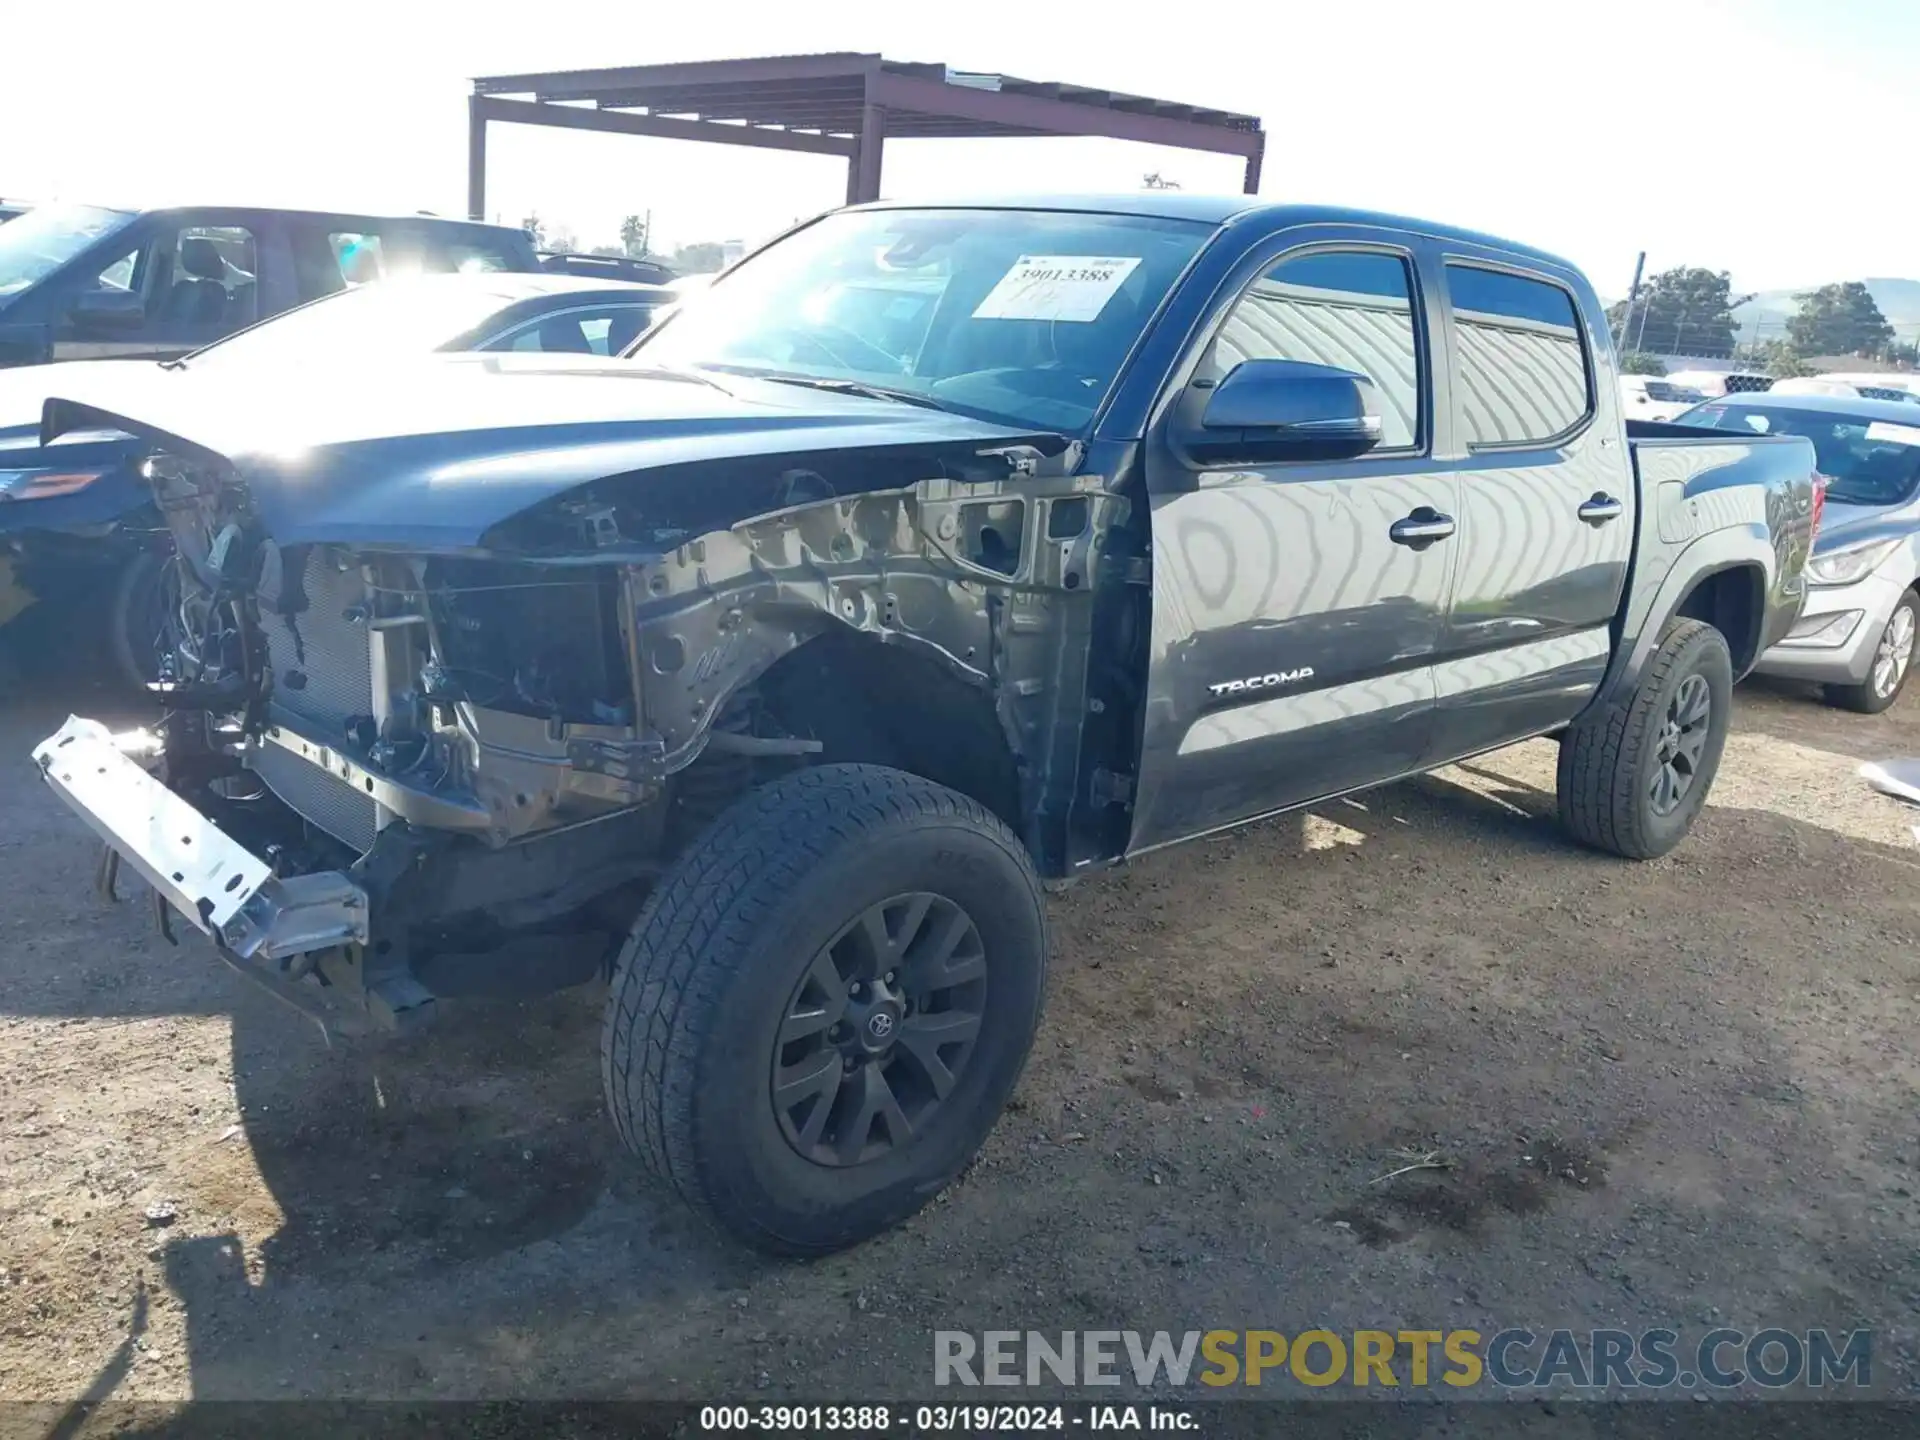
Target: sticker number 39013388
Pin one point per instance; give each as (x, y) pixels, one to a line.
(1056, 287)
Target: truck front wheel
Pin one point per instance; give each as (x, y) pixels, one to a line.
(1634, 775)
(825, 1005)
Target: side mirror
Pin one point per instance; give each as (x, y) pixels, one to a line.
(1288, 410)
(107, 310)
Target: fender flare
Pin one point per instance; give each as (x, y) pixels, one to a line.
(1734, 548)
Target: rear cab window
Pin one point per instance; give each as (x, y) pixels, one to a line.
(1525, 374)
(600, 330)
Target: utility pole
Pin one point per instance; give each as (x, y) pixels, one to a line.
(1633, 294)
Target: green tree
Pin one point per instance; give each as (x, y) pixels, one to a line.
(1839, 320)
(702, 257)
(1636, 362)
(1775, 357)
(536, 227)
(1683, 311)
(633, 235)
(563, 241)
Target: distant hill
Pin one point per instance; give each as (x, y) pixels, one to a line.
(1899, 301)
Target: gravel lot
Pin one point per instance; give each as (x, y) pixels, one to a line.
(1680, 1093)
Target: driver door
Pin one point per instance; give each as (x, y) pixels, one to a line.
(1295, 616)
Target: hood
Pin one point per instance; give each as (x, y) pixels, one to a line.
(431, 454)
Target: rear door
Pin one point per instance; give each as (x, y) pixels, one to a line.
(1546, 504)
(1293, 634)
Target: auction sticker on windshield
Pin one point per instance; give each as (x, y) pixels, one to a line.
(1891, 434)
(1056, 287)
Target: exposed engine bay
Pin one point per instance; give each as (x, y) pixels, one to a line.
(520, 732)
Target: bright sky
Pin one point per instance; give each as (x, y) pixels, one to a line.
(1738, 134)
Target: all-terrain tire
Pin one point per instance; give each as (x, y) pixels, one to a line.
(699, 993)
(1609, 760)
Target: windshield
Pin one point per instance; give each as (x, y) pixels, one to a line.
(1867, 462)
(1017, 315)
(1668, 392)
(389, 317)
(45, 238)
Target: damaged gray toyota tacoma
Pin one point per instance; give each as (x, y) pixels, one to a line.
(935, 554)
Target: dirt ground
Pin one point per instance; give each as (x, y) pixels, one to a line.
(1676, 1094)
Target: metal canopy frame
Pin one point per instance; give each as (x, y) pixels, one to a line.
(844, 104)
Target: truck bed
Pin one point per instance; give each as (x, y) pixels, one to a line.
(1712, 502)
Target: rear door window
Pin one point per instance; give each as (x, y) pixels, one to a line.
(1524, 374)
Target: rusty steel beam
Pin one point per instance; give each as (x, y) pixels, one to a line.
(1055, 117)
(863, 169)
(476, 160)
(587, 84)
(564, 117)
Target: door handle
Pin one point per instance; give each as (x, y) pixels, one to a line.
(1420, 529)
(1600, 509)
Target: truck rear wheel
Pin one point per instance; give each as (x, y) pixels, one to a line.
(825, 1005)
(1634, 776)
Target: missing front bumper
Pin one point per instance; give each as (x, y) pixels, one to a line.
(218, 885)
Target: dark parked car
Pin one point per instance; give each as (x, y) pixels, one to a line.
(606, 267)
(77, 521)
(771, 671)
(87, 282)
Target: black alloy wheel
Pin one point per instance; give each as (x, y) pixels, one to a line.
(879, 1030)
(1684, 731)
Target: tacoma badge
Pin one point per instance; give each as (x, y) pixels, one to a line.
(1261, 682)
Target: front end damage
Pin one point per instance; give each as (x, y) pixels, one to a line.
(412, 773)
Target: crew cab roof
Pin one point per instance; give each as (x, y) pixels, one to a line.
(1223, 210)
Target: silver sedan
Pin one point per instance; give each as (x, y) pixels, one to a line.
(1856, 633)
